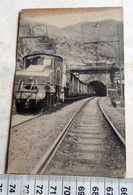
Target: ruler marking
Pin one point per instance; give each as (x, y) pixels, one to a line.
(35, 186)
(104, 186)
(7, 184)
(76, 185)
(90, 185)
(64, 184)
(48, 183)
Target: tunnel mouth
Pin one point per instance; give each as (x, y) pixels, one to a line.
(97, 88)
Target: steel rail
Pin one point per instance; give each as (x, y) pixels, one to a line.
(27, 120)
(45, 160)
(75, 98)
(111, 124)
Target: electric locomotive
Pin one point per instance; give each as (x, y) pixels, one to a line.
(40, 81)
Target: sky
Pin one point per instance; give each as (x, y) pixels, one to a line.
(70, 16)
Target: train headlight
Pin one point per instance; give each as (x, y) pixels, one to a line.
(17, 95)
(41, 95)
(47, 87)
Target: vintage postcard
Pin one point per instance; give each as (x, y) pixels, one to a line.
(68, 110)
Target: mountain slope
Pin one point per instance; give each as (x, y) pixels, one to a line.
(77, 44)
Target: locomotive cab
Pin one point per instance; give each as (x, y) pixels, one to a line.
(44, 62)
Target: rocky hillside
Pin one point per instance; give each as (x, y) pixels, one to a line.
(77, 44)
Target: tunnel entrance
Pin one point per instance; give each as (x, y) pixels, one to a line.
(97, 88)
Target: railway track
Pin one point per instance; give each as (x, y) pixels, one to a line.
(18, 119)
(88, 145)
(111, 125)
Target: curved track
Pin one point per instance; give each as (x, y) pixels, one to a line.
(18, 119)
(88, 145)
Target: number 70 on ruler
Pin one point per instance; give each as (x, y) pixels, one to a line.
(90, 186)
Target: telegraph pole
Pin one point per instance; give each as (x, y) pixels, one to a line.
(121, 88)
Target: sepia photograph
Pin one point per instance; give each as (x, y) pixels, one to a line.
(68, 106)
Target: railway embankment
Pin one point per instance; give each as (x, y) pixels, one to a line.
(116, 115)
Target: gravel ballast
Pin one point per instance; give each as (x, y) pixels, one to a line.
(116, 115)
(31, 140)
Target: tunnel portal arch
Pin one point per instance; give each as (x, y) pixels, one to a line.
(97, 87)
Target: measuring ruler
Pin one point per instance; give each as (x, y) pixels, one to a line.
(63, 185)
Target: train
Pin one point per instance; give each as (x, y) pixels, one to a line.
(44, 80)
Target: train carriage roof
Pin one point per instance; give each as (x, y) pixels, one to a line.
(43, 54)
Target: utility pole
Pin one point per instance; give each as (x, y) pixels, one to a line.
(106, 82)
(121, 88)
(98, 25)
(82, 34)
